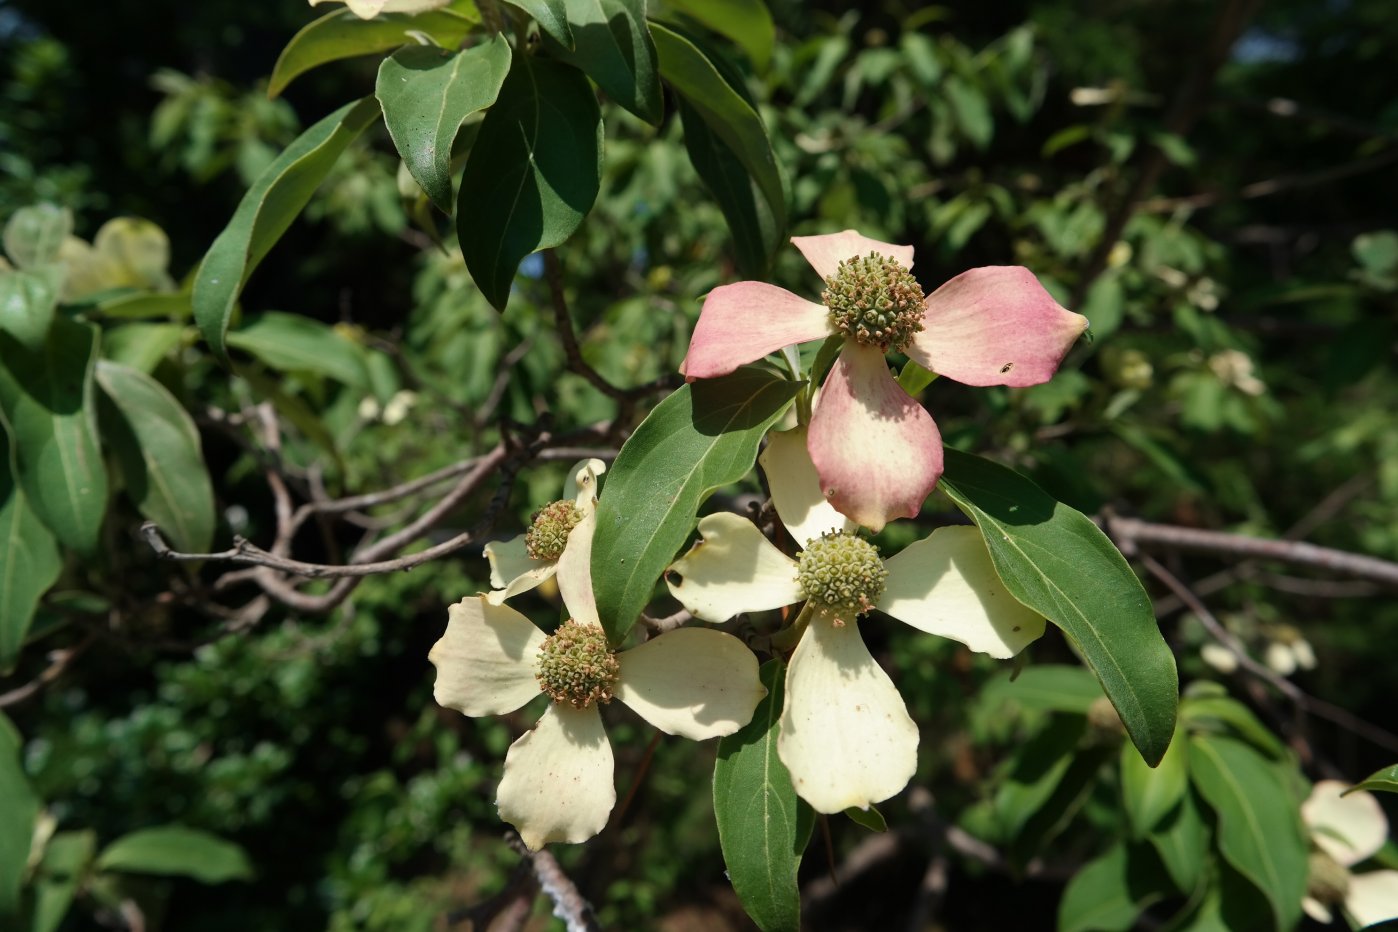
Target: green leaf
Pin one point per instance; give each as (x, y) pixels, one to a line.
(1151, 793)
(913, 378)
(1182, 841)
(1259, 826)
(551, 15)
(47, 404)
(343, 35)
(293, 343)
(1221, 715)
(1051, 687)
(157, 447)
(17, 815)
(613, 46)
(1108, 893)
(33, 235)
(694, 77)
(756, 235)
(1036, 769)
(29, 565)
(426, 94)
(702, 436)
(760, 820)
(26, 306)
(177, 851)
(144, 304)
(67, 857)
(142, 346)
(1385, 780)
(869, 818)
(265, 212)
(1056, 561)
(533, 171)
(747, 22)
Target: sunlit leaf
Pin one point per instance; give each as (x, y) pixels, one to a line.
(1385, 780)
(293, 343)
(747, 22)
(612, 44)
(26, 306)
(177, 851)
(552, 17)
(34, 235)
(1151, 793)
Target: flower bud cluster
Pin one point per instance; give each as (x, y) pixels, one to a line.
(577, 666)
(876, 301)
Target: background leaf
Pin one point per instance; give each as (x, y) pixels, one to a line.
(761, 828)
(612, 44)
(1056, 561)
(1151, 793)
(1182, 840)
(29, 564)
(1052, 687)
(17, 815)
(1108, 893)
(47, 404)
(747, 22)
(533, 171)
(701, 437)
(1385, 780)
(265, 212)
(426, 94)
(26, 306)
(33, 235)
(157, 445)
(293, 343)
(551, 15)
(174, 850)
(67, 857)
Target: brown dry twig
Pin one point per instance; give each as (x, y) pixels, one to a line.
(568, 904)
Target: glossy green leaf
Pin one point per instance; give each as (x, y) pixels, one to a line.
(341, 34)
(293, 343)
(265, 212)
(695, 77)
(1385, 780)
(17, 815)
(1181, 840)
(747, 22)
(26, 306)
(913, 378)
(756, 234)
(1056, 561)
(29, 564)
(67, 857)
(1051, 687)
(1151, 793)
(760, 820)
(157, 447)
(1109, 892)
(612, 44)
(1221, 715)
(426, 94)
(703, 436)
(533, 171)
(47, 404)
(1259, 826)
(177, 851)
(33, 235)
(552, 17)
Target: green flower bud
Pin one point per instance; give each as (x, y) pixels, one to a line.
(548, 534)
(576, 666)
(841, 574)
(875, 301)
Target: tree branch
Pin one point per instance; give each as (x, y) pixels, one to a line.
(568, 904)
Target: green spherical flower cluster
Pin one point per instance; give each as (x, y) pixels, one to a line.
(576, 666)
(841, 574)
(875, 301)
(549, 533)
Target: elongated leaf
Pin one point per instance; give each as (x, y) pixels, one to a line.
(157, 446)
(1151, 793)
(1056, 561)
(756, 235)
(29, 564)
(762, 827)
(67, 857)
(1051, 687)
(294, 343)
(612, 44)
(47, 404)
(174, 850)
(1221, 715)
(1259, 826)
(701, 437)
(1035, 771)
(1385, 780)
(341, 34)
(141, 345)
(552, 17)
(532, 174)
(747, 22)
(145, 304)
(693, 76)
(34, 235)
(1182, 840)
(26, 306)
(1108, 893)
(426, 94)
(265, 212)
(17, 815)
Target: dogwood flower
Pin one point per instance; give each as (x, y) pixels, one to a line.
(526, 560)
(845, 733)
(878, 452)
(368, 9)
(1346, 830)
(558, 784)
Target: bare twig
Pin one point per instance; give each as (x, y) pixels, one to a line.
(1270, 186)
(568, 904)
(59, 661)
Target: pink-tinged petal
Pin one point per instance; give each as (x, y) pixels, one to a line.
(558, 783)
(826, 252)
(486, 659)
(876, 450)
(745, 321)
(995, 326)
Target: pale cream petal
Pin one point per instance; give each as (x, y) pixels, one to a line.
(558, 782)
(796, 488)
(1348, 828)
(845, 733)
(945, 584)
(734, 569)
(1317, 910)
(485, 660)
(581, 485)
(513, 570)
(1372, 898)
(575, 572)
(693, 682)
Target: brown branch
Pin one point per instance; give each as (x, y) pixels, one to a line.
(59, 661)
(1270, 186)
(568, 904)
